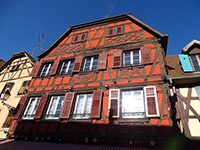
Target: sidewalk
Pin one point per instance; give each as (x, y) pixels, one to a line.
(32, 145)
(2, 139)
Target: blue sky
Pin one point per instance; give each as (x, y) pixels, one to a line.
(20, 20)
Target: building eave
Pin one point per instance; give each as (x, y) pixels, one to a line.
(17, 55)
(187, 47)
(161, 37)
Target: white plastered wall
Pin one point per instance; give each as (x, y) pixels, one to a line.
(193, 123)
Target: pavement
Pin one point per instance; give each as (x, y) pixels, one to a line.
(32, 145)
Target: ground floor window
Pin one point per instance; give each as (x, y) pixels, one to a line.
(133, 104)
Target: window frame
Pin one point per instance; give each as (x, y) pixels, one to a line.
(35, 106)
(72, 60)
(50, 65)
(197, 59)
(83, 116)
(115, 31)
(25, 87)
(58, 97)
(79, 36)
(131, 57)
(91, 63)
(144, 100)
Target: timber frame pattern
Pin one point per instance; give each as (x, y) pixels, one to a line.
(184, 112)
(102, 129)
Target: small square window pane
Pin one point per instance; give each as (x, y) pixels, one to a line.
(197, 68)
(193, 58)
(195, 63)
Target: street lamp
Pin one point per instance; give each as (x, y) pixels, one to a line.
(5, 95)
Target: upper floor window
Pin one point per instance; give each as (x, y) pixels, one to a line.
(83, 106)
(67, 67)
(91, 63)
(79, 37)
(54, 107)
(131, 58)
(115, 30)
(46, 69)
(24, 87)
(196, 62)
(31, 108)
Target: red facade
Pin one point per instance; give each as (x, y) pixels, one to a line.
(102, 82)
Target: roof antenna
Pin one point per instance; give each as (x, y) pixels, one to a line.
(40, 41)
(109, 11)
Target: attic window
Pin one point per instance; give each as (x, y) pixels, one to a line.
(195, 62)
(115, 30)
(79, 37)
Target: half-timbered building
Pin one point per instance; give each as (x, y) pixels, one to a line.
(184, 77)
(101, 82)
(14, 81)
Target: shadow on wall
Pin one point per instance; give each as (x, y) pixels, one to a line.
(101, 132)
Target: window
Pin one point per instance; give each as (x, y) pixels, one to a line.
(79, 37)
(131, 58)
(46, 69)
(196, 62)
(137, 103)
(115, 30)
(133, 104)
(24, 87)
(67, 67)
(54, 108)
(91, 63)
(83, 106)
(31, 108)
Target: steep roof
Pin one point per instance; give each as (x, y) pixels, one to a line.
(176, 73)
(190, 45)
(163, 38)
(18, 55)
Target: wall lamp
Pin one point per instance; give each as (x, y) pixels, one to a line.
(71, 89)
(5, 95)
(106, 86)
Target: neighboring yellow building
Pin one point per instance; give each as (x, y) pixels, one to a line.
(184, 77)
(14, 81)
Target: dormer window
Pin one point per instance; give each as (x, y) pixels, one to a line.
(195, 62)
